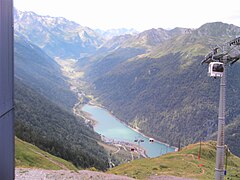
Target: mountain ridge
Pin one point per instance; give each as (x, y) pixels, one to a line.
(57, 36)
(111, 33)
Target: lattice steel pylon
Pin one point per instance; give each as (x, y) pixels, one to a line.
(218, 61)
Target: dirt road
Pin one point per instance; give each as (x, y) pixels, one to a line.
(40, 174)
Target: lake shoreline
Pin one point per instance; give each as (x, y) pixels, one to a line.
(98, 105)
(90, 120)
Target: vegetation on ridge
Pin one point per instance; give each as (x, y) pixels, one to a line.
(184, 163)
(30, 156)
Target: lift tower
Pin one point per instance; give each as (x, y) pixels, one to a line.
(218, 60)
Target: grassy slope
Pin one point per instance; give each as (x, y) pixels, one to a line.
(184, 163)
(29, 156)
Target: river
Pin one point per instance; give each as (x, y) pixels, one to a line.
(112, 128)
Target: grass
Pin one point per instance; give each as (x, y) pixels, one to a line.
(120, 156)
(184, 163)
(30, 156)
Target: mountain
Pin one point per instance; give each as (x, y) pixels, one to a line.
(114, 43)
(154, 37)
(162, 89)
(110, 33)
(151, 80)
(218, 29)
(122, 48)
(232, 135)
(146, 39)
(43, 99)
(55, 130)
(57, 36)
(184, 164)
(41, 73)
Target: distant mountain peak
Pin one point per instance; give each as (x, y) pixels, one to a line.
(154, 37)
(57, 36)
(110, 33)
(217, 29)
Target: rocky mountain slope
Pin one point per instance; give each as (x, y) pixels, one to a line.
(57, 36)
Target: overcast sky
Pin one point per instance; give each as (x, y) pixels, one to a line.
(137, 14)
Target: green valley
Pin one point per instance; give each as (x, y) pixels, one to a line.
(165, 92)
(152, 81)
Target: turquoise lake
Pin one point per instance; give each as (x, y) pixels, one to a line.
(112, 128)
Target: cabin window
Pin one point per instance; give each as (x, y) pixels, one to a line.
(217, 68)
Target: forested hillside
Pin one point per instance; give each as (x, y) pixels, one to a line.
(42, 123)
(43, 99)
(167, 93)
(41, 73)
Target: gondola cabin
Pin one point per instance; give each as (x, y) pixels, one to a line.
(151, 140)
(215, 69)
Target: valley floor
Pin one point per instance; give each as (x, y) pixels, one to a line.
(77, 86)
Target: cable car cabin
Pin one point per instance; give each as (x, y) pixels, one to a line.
(151, 140)
(215, 69)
